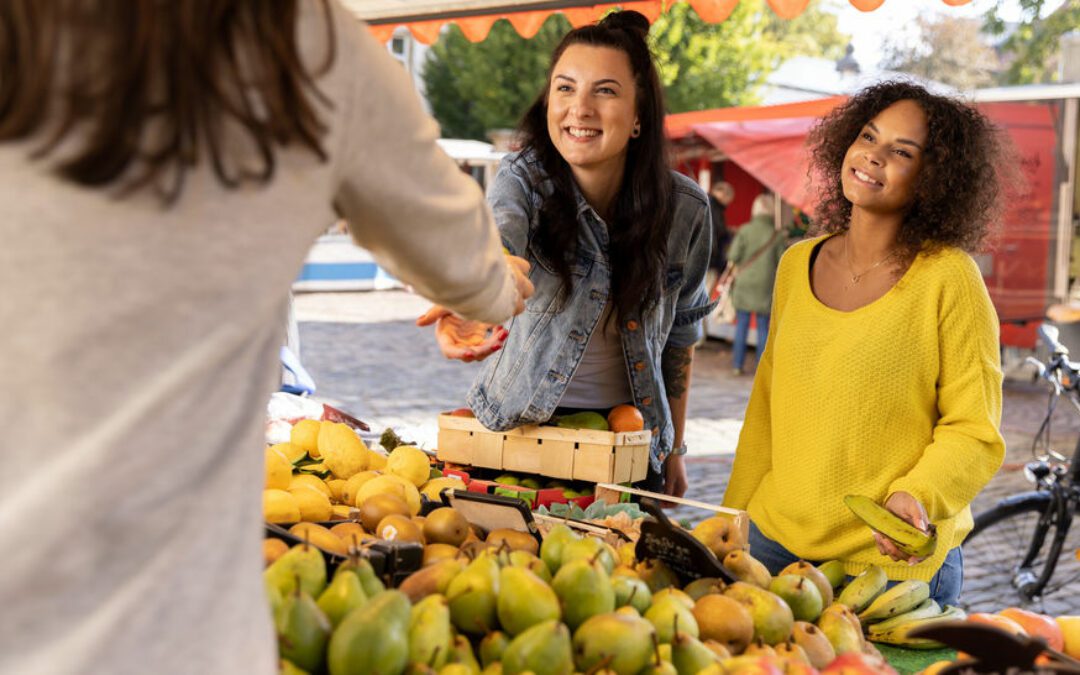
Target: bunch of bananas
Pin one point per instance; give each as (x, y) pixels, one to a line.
(888, 615)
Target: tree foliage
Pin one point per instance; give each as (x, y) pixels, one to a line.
(475, 87)
(1033, 45)
(948, 49)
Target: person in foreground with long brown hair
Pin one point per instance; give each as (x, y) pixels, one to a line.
(885, 324)
(619, 246)
(164, 167)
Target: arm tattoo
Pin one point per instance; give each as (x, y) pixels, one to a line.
(675, 366)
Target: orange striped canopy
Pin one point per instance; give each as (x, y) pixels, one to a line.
(426, 19)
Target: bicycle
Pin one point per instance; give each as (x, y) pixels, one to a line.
(1042, 516)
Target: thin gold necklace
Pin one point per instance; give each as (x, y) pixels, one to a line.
(855, 278)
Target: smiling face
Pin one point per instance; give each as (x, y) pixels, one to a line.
(882, 166)
(592, 108)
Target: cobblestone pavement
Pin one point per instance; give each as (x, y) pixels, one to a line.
(366, 354)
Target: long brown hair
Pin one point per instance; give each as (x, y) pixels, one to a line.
(644, 206)
(151, 86)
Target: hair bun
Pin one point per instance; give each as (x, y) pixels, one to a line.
(628, 20)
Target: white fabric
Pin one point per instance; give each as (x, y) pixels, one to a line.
(600, 380)
(140, 345)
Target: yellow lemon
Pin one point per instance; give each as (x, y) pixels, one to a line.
(305, 434)
(410, 463)
(306, 479)
(342, 450)
(376, 460)
(319, 536)
(278, 470)
(280, 507)
(335, 486)
(391, 484)
(293, 453)
(314, 505)
(434, 487)
(352, 486)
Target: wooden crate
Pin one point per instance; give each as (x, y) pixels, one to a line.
(576, 454)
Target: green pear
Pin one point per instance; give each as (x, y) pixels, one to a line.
(366, 574)
(834, 572)
(303, 562)
(590, 548)
(823, 583)
(531, 562)
(343, 595)
(791, 651)
(772, 616)
(552, 547)
(461, 653)
(473, 595)
(435, 578)
(524, 600)
(273, 596)
(656, 575)
(373, 638)
(689, 655)
(720, 534)
(837, 625)
(620, 643)
(703, 586)
(542, 649)
(492, 647)
(801, 595)
(746, 567)
(675, 594)
(819, 651)
(303, 631)
(287, 667)
(633, 592)
(584, 589)
(430, 633)
(493, 669)
(670, 615)
(457, 669)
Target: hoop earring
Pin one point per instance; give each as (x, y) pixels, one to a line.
(636, 132)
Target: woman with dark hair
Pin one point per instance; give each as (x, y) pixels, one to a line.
(884, 323)
(164, 167)
(619, 246)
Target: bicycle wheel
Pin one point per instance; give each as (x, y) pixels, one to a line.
(1012, 534)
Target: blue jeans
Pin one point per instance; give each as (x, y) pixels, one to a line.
(944, 587)
(742, 328)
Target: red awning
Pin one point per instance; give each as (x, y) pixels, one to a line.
(475, 17)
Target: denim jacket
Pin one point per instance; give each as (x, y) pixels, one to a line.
(523, 382)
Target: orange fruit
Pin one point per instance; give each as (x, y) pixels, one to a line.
(625, 418)
(1036, 624)
(462, 412)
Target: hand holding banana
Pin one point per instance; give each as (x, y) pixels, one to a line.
(901, 528)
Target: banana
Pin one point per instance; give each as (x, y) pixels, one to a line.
(899, 634)
(903, 597)
(908, 538)
(926, 610)
(864, 588)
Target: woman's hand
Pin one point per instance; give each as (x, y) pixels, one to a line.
(470, 341)
(907, 507)
(461, 338)
(675, 477)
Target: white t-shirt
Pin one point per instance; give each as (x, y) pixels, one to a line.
(139, 347)
(601, 380)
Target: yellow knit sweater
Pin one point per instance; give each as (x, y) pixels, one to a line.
(903, 394)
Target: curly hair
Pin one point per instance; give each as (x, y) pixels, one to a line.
(958, 193)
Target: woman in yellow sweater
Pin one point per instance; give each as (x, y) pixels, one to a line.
(881, 376)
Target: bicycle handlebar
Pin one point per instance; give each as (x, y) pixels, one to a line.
(1051, 336)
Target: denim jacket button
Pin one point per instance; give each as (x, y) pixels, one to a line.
(640, 365)
(646, 401)
(631, 325)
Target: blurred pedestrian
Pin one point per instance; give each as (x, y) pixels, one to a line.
(754, 255)
(164, 168)
(720, 197)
